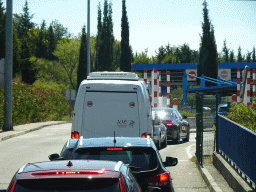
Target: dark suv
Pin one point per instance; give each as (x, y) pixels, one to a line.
(74, 175)
(140, 154)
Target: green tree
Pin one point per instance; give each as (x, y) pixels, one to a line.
(253, 55)
(194, 56)
(168, 49)
(28, 69)
(2, 30)
(42, 43)
(99, 41)
(225, 51)
(232, 56)
(207, 52)
(160, 54)
(67, 53)
(125, 61)
(59, 30)
(142, 58)
(23, 22)
(82, 66)
(239, 55)
(16, 53)
(52, 43)
(117, 55)
(248, 56)
(170, 59)
(185, 53)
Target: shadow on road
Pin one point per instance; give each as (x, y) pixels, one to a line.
(170, 142)
(2, 190)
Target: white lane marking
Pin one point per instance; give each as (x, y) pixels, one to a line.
(188, 151)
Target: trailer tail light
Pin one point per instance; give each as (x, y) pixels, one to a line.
(13, 185)
(75, 135)
(144, 135)
(159, 180)
(122, 185)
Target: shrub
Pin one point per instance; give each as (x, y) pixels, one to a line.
(243, 115)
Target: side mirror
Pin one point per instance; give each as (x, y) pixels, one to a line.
(185, 117)
(170, 161)
(53, 156)
(153, 115)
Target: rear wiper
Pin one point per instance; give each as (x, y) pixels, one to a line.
(134, 168)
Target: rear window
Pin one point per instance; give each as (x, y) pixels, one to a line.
(165, 115)
(144, 158)
(65, 184)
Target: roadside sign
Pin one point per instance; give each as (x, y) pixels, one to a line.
(225, 74)
(2, 73)
(191, 72)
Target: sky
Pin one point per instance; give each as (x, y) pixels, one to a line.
(155, 23)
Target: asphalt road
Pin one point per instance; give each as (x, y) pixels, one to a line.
(37, 145)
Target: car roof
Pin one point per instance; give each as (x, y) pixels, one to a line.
(163, 108)
(119, 142)
(223, 105)
(71, 165)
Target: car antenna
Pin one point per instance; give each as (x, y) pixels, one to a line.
(114, 137)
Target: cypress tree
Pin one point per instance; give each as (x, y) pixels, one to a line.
(253, 55)
(239, 55)
(52, 43)
(207, 64)
(225, 52)
(161, 54)
(110, 37)
(99, 42)
(248, 56)
(232, 56)
(82, 66)
(125, 61)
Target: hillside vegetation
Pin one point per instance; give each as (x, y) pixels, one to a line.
(36, 103)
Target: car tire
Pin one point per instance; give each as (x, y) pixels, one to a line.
(188, 135)
(177, 140)
(164, 145)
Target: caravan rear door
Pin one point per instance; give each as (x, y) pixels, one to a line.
(107, 112)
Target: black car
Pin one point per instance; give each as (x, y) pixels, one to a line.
(176, 124)
(74, 175)
(140, 154)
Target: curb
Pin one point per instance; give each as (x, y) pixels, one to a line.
(30, 130)
(210, 182)
(236, 182)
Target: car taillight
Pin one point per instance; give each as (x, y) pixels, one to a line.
(122, 185)
(159, 180)
(168, 124)
(144, 135)
(75, 135)
(12, 187)
(115, 149)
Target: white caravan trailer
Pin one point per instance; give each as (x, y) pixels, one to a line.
(111, 103)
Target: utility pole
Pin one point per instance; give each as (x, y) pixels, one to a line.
(8, 69)
(88, 39)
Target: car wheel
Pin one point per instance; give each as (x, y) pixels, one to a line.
(165, 142)
(188, 134)
(177, 140)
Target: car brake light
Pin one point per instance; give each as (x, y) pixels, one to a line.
(68, 173)
(12, 187)
(168, 123)
(122, 185)
(144, 135)
(159, 180)
(115, 149)
(75, 135)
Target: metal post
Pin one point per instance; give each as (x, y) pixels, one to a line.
(199, 127)
(88, 39)
(8, 69)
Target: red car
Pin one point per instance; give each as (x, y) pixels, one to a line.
(74, 175)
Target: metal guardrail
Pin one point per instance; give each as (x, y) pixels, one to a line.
(237, 145)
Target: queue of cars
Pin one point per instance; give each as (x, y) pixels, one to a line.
(114, 142)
